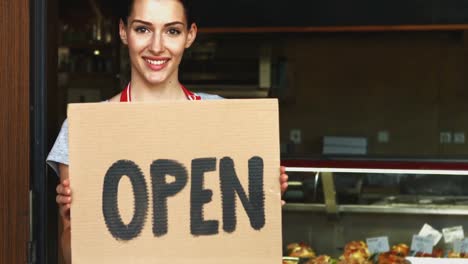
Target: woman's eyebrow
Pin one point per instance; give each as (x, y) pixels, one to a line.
(141, 21)
(174, 23)
(166, 25)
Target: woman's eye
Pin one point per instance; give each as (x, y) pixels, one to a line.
(173, 31)
(141, 29)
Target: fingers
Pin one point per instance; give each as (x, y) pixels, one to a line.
(283, 182)
(283, 169)
(284, 186)
(64, 188)
(66, 183)
(63, 199)
(283, 178)
(63, 193)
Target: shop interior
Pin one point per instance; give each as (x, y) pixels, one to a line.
(368, 99)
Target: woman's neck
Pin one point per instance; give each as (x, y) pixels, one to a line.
(143, 91)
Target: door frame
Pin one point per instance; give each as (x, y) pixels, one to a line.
(43, 224)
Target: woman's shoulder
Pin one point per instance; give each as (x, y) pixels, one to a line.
(205, 96)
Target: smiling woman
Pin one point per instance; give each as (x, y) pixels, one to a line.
(156, 32)
(156, 43)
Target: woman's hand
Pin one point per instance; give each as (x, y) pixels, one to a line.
(283, 182)
(64, 199)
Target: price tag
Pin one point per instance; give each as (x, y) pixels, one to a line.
(422, 244)
(378, 244)
(453, 233)
(464, 246)
(429, 231)
(460, 246)
(457, 245)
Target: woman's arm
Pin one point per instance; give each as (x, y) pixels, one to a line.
(64, 201)
(64, 193)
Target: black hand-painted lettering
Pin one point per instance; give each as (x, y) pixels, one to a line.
(254, 205)
(199, 197)
(110, 207)
(162, 190)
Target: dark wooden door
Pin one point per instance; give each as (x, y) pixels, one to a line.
(14, 130)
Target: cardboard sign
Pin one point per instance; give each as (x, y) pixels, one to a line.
(175, 182)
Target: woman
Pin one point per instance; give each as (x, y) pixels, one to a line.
(156, 32)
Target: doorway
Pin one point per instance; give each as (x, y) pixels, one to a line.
(14, 131)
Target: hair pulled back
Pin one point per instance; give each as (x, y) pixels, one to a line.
(125, 9)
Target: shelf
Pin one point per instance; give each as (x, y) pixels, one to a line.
(302, 207)
(403, 204)
(87, 46)
(75, 75)
(376, 28)
(383, 209)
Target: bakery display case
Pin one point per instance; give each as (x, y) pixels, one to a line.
(331, 203)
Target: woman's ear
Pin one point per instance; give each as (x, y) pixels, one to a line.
(123, 32)
(192, 35)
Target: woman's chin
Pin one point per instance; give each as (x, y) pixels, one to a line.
(156, 80)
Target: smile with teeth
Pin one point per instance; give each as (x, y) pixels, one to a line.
(156, 62)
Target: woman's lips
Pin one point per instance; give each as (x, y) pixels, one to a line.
(156, 64)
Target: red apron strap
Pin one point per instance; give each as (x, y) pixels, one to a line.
(190, 95)
(126, 95)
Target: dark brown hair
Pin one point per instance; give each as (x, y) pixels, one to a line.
(125, 8)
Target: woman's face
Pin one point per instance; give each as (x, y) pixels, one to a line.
(157, 35)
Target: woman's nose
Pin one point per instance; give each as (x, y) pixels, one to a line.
(157, 43)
